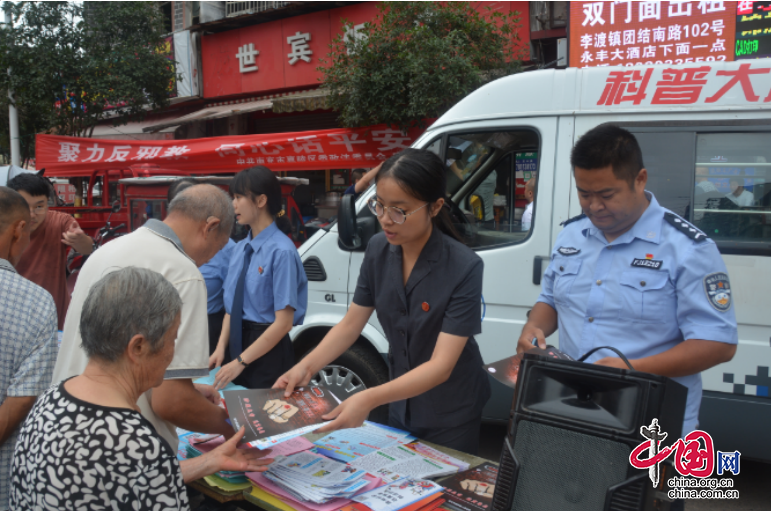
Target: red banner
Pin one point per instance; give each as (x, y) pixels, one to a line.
(306, 150)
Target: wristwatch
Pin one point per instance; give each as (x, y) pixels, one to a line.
(241, 361)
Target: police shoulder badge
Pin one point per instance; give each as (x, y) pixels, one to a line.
(685, 227)
(718, 290)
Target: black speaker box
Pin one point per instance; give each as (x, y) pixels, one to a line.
(573, 426)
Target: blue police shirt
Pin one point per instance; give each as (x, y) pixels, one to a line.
(659, 283)
(214, 273)
(275, 279)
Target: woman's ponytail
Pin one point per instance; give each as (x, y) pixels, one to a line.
(260, 180)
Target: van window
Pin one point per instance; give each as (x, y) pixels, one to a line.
(486, 176)
(718, 180)
(732, 190)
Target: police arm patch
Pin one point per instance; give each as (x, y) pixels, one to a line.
(685, 227)
(718, 290)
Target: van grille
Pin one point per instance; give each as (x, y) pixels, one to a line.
(314, 269)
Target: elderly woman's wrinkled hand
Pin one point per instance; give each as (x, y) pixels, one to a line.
(230, 457)
(209, 392)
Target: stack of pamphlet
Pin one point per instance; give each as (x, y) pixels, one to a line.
(348, 444)
(270, 418)
(405, 494)
(399, 461)
(310, 477)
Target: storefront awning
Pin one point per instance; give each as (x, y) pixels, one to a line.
(301, 102)
(304, 150)
(212, 112)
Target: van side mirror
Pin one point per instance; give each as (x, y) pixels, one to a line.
(346, 223)
(354, 233)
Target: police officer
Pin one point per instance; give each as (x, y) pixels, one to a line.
(631, 274)
(426, 287)
(265, 291)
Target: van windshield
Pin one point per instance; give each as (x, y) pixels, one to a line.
(487, 174)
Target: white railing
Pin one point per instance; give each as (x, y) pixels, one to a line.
(240, 8)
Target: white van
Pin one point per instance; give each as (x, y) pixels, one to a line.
(705, 132)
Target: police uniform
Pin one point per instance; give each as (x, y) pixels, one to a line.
(442, 294)
(275, 280)
(659, 283)
(214, 273)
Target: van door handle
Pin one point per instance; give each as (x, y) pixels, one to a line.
(538, 268)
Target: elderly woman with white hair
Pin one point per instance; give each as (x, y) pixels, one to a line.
(85, 445)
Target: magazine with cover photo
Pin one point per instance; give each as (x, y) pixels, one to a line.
(266, 413)
(471, 490)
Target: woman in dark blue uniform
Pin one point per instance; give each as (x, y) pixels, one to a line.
(265, 291)
(425, 287)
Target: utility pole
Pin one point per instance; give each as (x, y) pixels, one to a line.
(12, 113)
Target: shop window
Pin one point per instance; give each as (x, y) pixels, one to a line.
(732, 191)
(486, 177)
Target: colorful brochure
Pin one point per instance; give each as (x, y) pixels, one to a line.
(348, 444)
(399, 461)
(398, 495)
(269, 417)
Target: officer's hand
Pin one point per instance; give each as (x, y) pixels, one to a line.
(613, 362)
(351, 413)
(298, 376)
(530, 332)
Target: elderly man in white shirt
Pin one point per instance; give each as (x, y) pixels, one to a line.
(198, 225)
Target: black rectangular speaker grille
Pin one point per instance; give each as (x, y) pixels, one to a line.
(563, 470)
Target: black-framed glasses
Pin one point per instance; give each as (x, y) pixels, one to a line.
(398, 215)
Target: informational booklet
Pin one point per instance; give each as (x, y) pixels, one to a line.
(471, 490)
(348, 444)
(398, 495)
(399, 460)
(435, 454)
(506, 371)
(270, 417)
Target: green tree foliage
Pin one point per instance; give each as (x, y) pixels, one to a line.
(416, 60)
(75, 64)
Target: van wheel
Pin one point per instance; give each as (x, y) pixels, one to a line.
(355, 370)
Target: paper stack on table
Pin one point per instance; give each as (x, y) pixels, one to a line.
(348, 444)
(398, 461)
(200, 446)
(314, 478)
(404, 494)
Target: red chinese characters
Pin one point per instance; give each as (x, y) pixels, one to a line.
(694, 455)
(740, 76)
(680, 86)
(625, 86)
